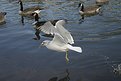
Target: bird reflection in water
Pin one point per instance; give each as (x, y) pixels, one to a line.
(37, 31)
(53, 79)
(66, 78)
(117, 69)
(22, 20)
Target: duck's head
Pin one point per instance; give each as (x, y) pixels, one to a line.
(19, 1)
(81, 6)
(36, 16)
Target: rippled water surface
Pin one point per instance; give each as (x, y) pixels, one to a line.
(23, 59)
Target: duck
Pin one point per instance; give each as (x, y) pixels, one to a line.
(2, 17)
(101, 2)
(28, 11)
(38, 24)
(89, 11)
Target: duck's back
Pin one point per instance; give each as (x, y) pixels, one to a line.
(102, 1)
(29, 11)
(91, 10)
(32, 8)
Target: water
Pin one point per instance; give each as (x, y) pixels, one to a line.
(23, 59)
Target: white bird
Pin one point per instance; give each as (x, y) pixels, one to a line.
(59, 44)
(56, 27)
(52, 27)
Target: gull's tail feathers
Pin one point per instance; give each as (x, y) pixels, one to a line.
(74, 48)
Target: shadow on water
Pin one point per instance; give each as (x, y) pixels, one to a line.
(28, 0)
(112, 33)
(103, 36)
(117, 69)
(22, 20)
(3, 23)
(65, 78)
(37, 32)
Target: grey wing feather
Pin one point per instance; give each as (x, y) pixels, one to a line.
(48, 28)
(58, 40)
(65, 34)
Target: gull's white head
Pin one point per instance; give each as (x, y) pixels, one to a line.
(45, 43)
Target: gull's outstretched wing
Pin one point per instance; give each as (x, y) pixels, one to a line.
(61, 22)
(56, 27)
(58, 40)
(48, 28)
(63, 32)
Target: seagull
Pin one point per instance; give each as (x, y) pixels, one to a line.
(57, 28)
(52, 27)
(59, 44)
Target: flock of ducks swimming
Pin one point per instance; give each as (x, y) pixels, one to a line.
(62, 39)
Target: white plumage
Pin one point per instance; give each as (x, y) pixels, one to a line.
(49, 28)
(59, 44)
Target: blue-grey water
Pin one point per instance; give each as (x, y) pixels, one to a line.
(23, 59)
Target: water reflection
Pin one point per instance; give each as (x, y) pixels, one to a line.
(112, 33)
(53, 79)
(37, 26)
(65, 78)
(37, 32)
(2, 23)
(103, 35)
(117, 69)
(22, 20)
(29, 0)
